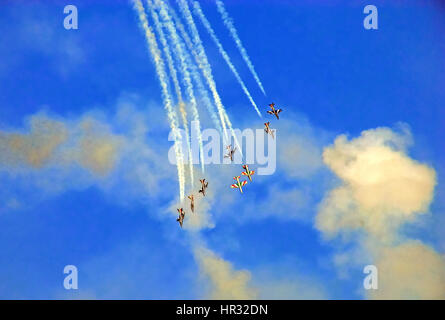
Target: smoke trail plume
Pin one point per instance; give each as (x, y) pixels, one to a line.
(231, 27)
(206, 68)
(195, 74)
(174, 76)
(179, 52)
(203, 63)
(224, 54)
(163, 80)
(197, 78)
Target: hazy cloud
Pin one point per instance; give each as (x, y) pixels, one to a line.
(381, 189)
(410, 271)
(225, 282)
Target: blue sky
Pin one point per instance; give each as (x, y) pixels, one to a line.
(116, 224)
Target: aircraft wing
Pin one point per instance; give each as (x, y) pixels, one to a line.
(234, 186)
(270, 112)
(243, 183)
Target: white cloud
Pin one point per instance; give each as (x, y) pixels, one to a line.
(52, 154)
(291, 288)
(225, 282)
(410, 271)
(300, 147)
(381, 189)
(286, 280)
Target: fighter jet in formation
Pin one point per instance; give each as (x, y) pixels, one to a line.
(239, 184)
(192, 202)
(247, 172)
(268, 129)
(204, 186)
(230, 152)
(274, 111)
(181, 216)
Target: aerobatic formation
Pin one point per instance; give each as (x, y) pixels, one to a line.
(185, 76)
(239, 184)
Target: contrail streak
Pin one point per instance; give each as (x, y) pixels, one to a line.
(203, 63)
(195, 74)
(224, 54)
(179, 51)
(231, 27)
(163, 80)
(206, 69)
(174, 76)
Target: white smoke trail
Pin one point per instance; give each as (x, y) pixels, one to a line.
(206, 69)
(195, 74)
(179, 51)
(174, 76)
(231, 27)
(163, 80)
(203, 63)
(224, 54)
